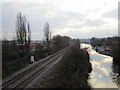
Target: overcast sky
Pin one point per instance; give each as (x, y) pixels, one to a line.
(74, 18)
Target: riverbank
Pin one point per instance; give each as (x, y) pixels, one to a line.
(108, 53)
(71, 72)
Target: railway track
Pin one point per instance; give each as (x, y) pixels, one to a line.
(24, 77)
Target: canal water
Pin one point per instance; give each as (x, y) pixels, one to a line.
(101, 75)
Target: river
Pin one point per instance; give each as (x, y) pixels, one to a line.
(101, 75)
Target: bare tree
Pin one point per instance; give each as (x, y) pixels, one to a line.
(50, 36)
(47, 35)
(23, 32)
(29, 36)
(47, 32)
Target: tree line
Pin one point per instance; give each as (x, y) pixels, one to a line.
(21, 44)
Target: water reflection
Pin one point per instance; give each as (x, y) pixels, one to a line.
(101, 73)
(100, 76)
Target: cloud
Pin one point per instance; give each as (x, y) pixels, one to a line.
(94, 23)
(74, 18)
(112, 14)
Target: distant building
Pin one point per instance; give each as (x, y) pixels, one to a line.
(36, 45)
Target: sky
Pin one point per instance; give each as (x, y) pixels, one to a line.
(82, 19)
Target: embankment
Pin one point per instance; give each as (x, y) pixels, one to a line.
(71, 72)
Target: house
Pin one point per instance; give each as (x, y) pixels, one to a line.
(35, 45)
